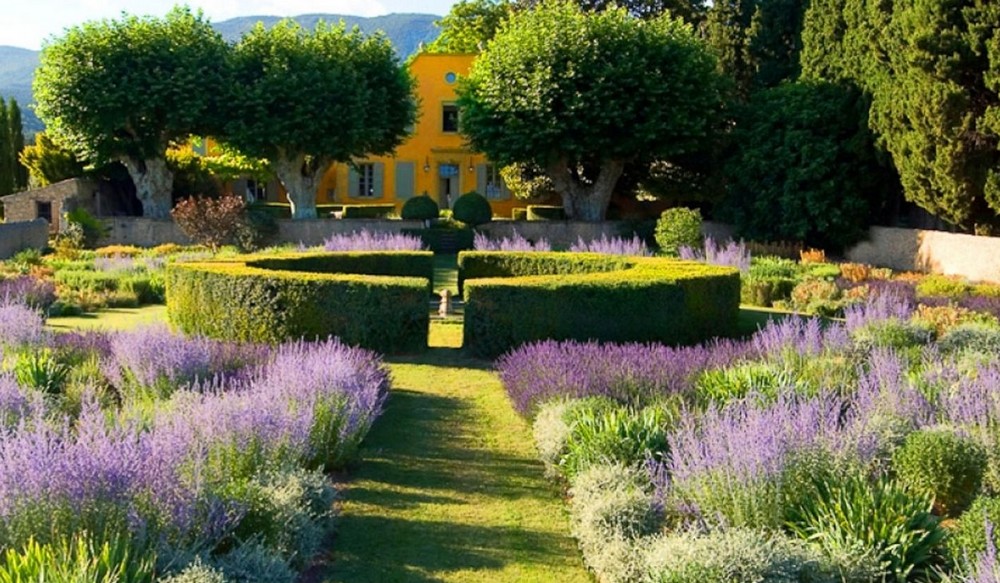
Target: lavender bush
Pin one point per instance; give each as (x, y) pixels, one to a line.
(516, 242)
(611, 246)
(368, 241)
(729, 254)
(28, 290)
(19, 326)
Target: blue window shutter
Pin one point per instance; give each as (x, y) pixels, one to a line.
(353, 180)
(379, 179)
(405, 180)
(481, 179)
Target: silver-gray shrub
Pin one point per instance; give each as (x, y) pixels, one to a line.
(196, 572)
(611, 509)
(973, 337)
(745, 555)
(253, 563)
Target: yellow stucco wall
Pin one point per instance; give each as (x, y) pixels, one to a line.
(427, 149)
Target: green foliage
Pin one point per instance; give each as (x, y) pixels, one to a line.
(614, 299)
(804, 167)
(973, 337)
(79, 558)
(93, 228)
(367, 211)
(420, 208)
(472, 209)
(943, 286)
(551, 428)
(611, 508)
(291, 74)
(527, 182)
(41, 370)
(760, 379)
(892, 333)
(943, 465)
(931, 71)
(765, 291)
(191, 177)
(125, 89)
(543, 212)
(847, 513)
(580, 93)
(469, 25)
(350, 295)
(615, 435)
(48, 162)
(968, 536)
(6, 153)
(678, 227)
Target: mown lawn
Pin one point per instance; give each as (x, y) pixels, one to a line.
(112, 319)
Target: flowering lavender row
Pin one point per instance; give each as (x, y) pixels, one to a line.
(515, 243)
(368, 241)
(729, 254)
(611, 246)
(28, 290)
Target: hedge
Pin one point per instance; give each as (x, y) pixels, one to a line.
(544, 212)
(367, 211)
(513, 298)
(519, 214)
(276, 298)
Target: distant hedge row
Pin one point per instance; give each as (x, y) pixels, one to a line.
(513, 298)
(376, 300)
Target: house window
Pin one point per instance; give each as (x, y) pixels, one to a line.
(366, 180)
(449, 118)
(43, 210)
(255, 191)
(494, 183)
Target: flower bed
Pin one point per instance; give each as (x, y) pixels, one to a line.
(856, 451)
(147, 454)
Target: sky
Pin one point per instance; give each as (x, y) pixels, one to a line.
(26, 23)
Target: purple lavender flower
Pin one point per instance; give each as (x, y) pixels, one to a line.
(116, 264)
(516, 242)
(368, 241)
(986, 568)
(152, 356)
(729, 254)
(28, 290)
(611, 246)
(20, 326)
(806, 337)
(888, 303)
(17, 403)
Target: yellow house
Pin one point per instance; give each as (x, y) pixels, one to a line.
(434, 160)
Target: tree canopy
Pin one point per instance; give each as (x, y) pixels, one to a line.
(691, 11)
(469, 25)
(305, 99)
(125, 89)
(581, 94)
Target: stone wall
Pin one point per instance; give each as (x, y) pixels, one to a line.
(975, 258)
(142, 232)
(63, 196)
(17, 236)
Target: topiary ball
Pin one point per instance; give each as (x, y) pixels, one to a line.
(472, 209)
(420, 208)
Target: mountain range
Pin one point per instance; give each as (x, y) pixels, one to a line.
(405, 31)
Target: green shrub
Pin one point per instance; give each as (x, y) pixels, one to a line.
(350, 295)
(765, 291)
(420, 208)
(817, 296)
(615, 435)
(41, 370)
(252, 562)
(980, 338)
(943, 465)
(551, 428)
(613, 299)
(257, 230)
(367, 211)
(764, 379)
(197, 572)
(678, 227)
(79, 558)
(744, 555)
(91, 281)
(892, 333)
(545, 212)
(93, 228)
(821, 270)
(519, 214)
(849, 514)
(771, 266)
(611, 508)
(472, 209)
(968, 535)
(943, 286)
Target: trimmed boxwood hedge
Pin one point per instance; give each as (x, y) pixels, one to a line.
(513, 298)
(367, 211)
(545, 212)
(377, 300)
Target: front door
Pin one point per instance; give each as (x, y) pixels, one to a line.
(448, 186)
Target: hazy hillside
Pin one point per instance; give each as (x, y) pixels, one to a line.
(405, 31)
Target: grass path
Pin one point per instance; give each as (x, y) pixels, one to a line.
(450, 489)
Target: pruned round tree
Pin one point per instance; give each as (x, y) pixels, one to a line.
(306, 99)
(581, 95)
(124, 89)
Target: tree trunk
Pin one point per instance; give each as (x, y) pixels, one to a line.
(585, 202)
(154, 184)
(300, 179)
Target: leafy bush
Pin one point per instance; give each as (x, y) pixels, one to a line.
(667, 301)
(349, 295)
(257, 229)
(855, 272)
(420, 208)
(472, 209)
(943, 465)
(847, 514)
(948, 316)
(615, 435)
(611, 508)
(974, 337)
(544, 212)
(816, 296)
(769, 266)
(892, 333)
(765, 291)
(92, 227)
(968, 536)
(943, 286)
(210, 222)
(678, 227)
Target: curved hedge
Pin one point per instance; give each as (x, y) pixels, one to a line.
(373, 299)
(513, 298)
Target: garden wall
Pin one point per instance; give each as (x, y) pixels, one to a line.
(969, 256)
(23, 235)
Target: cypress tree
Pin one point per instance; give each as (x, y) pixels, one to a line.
(6, 167)
(20, 172)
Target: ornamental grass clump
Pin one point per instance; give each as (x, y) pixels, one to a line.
(365, 240)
